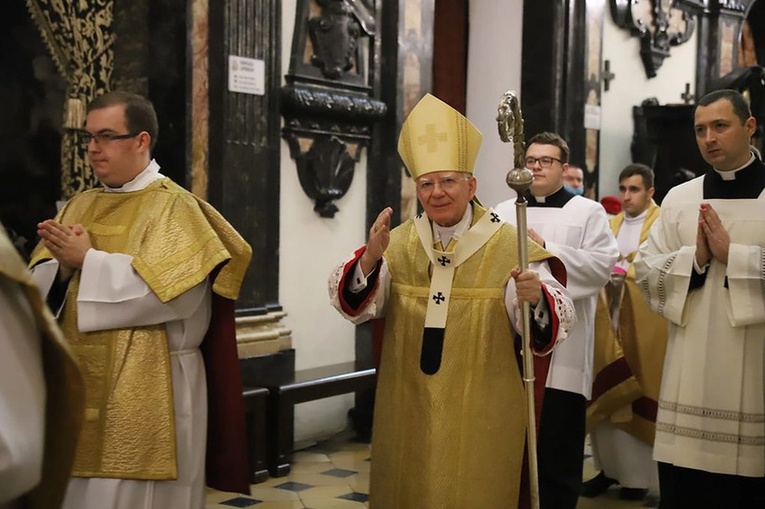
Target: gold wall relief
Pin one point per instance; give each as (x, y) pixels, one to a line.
(200, 90)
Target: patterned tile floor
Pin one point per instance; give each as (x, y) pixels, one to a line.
(335, 475)
(332, 474)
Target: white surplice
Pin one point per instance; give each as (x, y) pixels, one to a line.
(711, 414)
(22, 396)
(579, 235)
(623, 457)
(112, 295)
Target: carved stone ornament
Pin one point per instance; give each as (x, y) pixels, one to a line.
(326, 172)
(320, 128)
(660, 24)
(334, 34)
(327, 104)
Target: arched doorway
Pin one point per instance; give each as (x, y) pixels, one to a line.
(32, 93)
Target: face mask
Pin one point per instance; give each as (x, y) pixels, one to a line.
(577, 192)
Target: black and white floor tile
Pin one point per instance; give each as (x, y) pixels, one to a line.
(335, 475)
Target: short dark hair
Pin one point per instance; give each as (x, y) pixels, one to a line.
(638, 169)
(740, 106)
(139, 112)
(547, 138)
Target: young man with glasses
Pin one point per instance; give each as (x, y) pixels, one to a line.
(449, 426)
(576, 231)
(138, 272)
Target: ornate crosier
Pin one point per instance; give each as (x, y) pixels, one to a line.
(510, 126)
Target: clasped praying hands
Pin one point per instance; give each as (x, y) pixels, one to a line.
(712, 239)
(67, 244)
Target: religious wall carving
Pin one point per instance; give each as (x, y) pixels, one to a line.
(660, 25)
(328, 103)
(334, 35)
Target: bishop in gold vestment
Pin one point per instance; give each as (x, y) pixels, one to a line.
(450, 421)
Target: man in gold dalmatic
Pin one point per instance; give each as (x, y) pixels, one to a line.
(143, 276)
(449, 427)
(630, 341)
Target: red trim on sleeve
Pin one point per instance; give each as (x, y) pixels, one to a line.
(350, 311)
(554, 322)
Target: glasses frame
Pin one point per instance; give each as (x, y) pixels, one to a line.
(432, 184)
(86, 137)
(539, 160)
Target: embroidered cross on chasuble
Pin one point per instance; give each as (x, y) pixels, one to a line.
(444, 262)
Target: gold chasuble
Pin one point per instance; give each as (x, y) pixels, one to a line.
(629, 357)
(176, 241)
(449, 433)
(64, 390)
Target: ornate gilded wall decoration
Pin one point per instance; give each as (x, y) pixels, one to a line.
(328, 104)
(79, 38)
(660, 24)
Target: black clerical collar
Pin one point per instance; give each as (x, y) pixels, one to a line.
(556, 200)
(748, 184)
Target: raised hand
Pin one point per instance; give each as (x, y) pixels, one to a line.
(379, 237)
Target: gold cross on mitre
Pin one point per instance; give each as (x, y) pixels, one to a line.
(436, 137)
(431, 137)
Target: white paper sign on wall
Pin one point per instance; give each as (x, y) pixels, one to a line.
(592, 116)
(246, 75)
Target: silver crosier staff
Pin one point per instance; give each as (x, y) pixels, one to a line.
(510, 125)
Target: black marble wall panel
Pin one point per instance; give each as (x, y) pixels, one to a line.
(244, 140)
(150, 58)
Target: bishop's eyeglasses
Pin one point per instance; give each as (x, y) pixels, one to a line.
(544, 161)
(446, 183)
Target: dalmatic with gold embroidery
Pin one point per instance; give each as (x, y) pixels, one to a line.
(176, 241)
(628, 362)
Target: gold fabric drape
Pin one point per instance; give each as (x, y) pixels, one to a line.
(79, 37)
